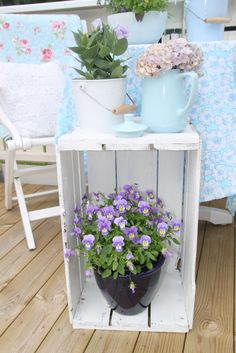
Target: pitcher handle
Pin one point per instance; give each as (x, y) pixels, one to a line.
(193, 91)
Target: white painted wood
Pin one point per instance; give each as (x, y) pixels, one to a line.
(172, 141)
(168, 311)
(24, 214)
(44, 213)
(101, 171)
(137, 167)
(92, 310)
(71, 184)
(50, 6)
(215, 215)
(190, 228)
(175, 309)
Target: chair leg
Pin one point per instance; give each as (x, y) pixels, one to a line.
(24, 214)
(8, 177)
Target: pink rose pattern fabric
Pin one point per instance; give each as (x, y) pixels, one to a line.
(38, 38)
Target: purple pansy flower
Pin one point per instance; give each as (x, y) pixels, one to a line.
(109, 212)
(131, 233)
(136, 196)
(120, 222)
(144, 208)
(166, 253)
(121, 32)
(97, 23)
(77, 231)
(150, 194)
(88, 273)
(145, 240)
(129, 256)
(90, 210)
(69, 253)
(76, 219)
(128, 188)
(162, 228)
(175, 225)
(88, 241)
(121, 205)
(118, 243)
(104, 225)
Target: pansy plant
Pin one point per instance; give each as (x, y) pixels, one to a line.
(123, 233)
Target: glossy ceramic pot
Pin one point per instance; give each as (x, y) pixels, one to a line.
(120, 297)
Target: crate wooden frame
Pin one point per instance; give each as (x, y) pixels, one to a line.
(170, 162)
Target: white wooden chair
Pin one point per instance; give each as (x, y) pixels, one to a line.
(32, 39)
(29, 110)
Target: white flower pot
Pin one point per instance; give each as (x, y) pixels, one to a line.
(148, 31)
(95, 100)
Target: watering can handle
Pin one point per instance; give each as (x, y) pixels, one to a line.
(193, 91)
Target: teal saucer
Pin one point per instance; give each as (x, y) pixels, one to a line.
(129, 128)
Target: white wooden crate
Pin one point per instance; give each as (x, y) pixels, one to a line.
(167, 163)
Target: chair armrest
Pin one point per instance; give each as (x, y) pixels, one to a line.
(13, 130)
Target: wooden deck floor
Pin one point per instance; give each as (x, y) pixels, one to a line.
(33, 304)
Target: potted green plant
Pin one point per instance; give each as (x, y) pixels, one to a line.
(101, 86)
(146, 20)
(124, 238)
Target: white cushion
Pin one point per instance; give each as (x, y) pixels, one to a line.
(30, 95)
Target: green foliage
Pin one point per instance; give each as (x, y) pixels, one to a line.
(117, 241)
(137, 6)
(97, 53)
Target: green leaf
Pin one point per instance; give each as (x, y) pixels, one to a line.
(114, 265)
(106, 273)
(102, 64)
(121, 269)
(176, 241)
(115, 274)
(81, 72)
(104, 51)
(149, 265)
(120, 47)
(117, 72)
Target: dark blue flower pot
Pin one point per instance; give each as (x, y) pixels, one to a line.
(120, 297)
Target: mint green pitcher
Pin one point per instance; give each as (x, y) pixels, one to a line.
(165, 104)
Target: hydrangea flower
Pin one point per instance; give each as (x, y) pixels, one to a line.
(118, 243)
(162, 228)
(88, 241)
(145, 240)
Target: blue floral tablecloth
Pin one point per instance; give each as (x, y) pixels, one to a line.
(213, 115)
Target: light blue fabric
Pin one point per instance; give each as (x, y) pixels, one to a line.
(213, 115)
(37, 39)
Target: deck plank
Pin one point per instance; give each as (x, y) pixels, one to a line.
(20, 256)
(213, 320)
(42, 312)
(112, 342)
(62, 338)
(15, 297)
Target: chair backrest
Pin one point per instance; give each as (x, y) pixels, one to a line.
(33, 39)
(31, 96)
